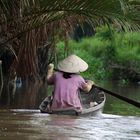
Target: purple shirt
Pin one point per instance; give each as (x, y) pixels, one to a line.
(66, 91)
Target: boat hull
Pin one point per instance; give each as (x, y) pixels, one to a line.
(88, 101)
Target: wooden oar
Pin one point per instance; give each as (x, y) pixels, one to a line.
(130, 101)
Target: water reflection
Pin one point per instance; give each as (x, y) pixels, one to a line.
(25, 122)
(30, 95)
(37, 126)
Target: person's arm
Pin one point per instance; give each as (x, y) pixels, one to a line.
(50, 72)
(88, 85)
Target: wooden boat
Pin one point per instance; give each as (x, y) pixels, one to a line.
(92, 102)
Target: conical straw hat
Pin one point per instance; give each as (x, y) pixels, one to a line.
(72, 64)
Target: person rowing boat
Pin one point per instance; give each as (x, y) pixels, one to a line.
(67, 83)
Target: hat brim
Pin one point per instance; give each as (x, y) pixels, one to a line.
(72, 64)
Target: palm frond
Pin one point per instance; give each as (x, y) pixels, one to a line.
(38, 21)
(119, 12)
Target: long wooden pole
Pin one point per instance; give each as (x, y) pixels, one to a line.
(130, 101)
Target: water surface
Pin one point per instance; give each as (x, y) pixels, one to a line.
(22, 120)
(32, 125)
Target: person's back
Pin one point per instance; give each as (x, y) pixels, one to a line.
(66, 91)
(67, 83)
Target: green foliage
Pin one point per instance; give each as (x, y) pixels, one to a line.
(103, 51)
(128, 50)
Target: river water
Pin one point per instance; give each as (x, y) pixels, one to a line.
(119, 120)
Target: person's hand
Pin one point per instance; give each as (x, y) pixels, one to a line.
(90, 82)
(88, 85)
(51, 67)
(50, 70)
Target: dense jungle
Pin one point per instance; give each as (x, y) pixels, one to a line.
(35, 33)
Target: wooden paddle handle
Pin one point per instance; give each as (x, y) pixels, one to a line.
(130, 101)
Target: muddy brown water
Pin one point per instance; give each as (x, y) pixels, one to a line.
(23, 120)
(32, 125)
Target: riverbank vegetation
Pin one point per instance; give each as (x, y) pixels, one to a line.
(30, 29)
(111, 55)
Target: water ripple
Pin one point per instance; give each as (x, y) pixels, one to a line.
(33, 125)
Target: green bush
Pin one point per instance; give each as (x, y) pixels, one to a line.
(105, 49)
